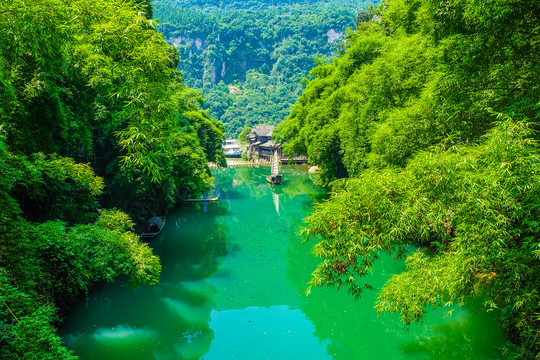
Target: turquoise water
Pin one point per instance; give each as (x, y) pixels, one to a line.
(232, 287)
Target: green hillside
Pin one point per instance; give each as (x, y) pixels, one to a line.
(249, 58)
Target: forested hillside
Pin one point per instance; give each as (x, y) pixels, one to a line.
(93, 116)
(249, 58)
(427, 128)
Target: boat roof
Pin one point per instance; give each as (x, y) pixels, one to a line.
(156, 219)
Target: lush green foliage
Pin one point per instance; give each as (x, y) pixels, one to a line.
(93, 114)
(98, 84)
(413, 87)
(217, 5)
(243, 136)
(249, 57)
(50, 263)
(406, 117)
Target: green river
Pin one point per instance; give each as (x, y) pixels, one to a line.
(232, 287)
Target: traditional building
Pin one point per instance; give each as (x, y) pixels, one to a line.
(261, 146)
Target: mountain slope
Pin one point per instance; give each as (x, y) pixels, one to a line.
(250, 60)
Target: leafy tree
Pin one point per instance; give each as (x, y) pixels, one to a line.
(407, 112)
(469, 209)
(103, 90)
(44, 266)
(243, 136)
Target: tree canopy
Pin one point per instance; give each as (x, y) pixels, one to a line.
(97, 83)
(96, 128)
(427, 130)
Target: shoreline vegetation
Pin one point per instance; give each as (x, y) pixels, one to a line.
(93, 116)
(426, 128)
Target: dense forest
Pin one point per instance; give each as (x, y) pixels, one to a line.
(427, 130)
(249, 57)
(96, 129)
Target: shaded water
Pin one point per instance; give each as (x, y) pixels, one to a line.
(232, 285)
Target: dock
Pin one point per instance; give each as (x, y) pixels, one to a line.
(232, 162)
(238, 163)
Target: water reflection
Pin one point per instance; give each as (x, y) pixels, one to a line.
(233, 285)
(275, 199)
(170, 320)
(289, 337)
(470, 334)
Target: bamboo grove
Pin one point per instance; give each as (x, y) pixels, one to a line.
(95, 123)
(427, 129)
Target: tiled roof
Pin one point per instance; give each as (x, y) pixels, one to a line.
(263, 130)
(270, 143)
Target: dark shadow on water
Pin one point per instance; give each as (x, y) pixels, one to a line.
(195, 242)
(231, 195)
(169, 320)
(470, 335)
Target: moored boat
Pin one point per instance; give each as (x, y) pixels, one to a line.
(275, 178)
(231, 149)
(204, 199)
(153, 227)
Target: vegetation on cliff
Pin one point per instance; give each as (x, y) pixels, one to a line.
(93, 116)
(427, 130)
(249, 58)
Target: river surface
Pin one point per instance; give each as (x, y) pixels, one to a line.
(232, 287)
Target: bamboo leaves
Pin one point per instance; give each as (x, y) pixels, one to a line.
(471, 213)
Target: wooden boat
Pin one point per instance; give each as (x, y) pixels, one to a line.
(275, 178)
(203, 200)
(153, 227)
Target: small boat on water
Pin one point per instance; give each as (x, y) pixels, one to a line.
(231, 149)
(153, 227)
(275, 178)
(203, 199)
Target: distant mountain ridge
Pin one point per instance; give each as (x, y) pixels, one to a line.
(264, 50)
(254, 4)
